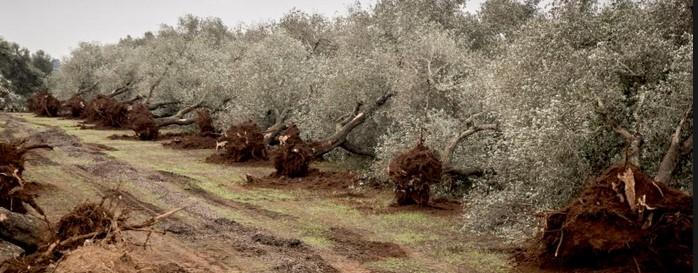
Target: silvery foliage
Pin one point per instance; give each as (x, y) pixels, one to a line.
(537, 74)
(546, 88)
(10, 101)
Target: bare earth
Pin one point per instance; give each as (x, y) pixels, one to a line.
(229, 226)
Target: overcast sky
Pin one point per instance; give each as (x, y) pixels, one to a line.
(56, 26)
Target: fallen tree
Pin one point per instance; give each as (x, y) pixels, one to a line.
(345, 126)
(413, 172)
(44, 104)
(293, 156)
(75, 106)
(241, 142)
(624, 218)
(147, 127)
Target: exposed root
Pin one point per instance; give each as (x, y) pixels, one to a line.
(75, 106)
(142, 122)
(293, 156)
(107, 112)
(44, 104)
(413, 172)
(102, 222)
(649, 224)
(240, 143)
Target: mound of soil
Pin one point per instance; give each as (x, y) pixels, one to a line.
(354, 246)
(240, 143)
(205, 122)
(314, 180)
(142, 122)
(75, 106)
(106, 112)
(413, 172)
(44, 104)
(622, 219)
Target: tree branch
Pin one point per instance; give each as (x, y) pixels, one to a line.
(451, 146)
(340, 136)
(671, 158)
(162, 104)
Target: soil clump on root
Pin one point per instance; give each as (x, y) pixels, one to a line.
(240, 143)
(293, 156)
(623, 220)
(143, 123)
(205, 139)
(13, 194)
(413, 172)
(75, 106)
(44, 104)
(106, 113)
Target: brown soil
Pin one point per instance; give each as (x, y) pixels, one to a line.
(44, 104)
(441, 207)
(314, 180)
(75, 106)
(142, 122)
(191, 142)
(205, 139)
(165, 136)
(106, 112)
(413, 172)
(205, 122)
(293, 156)
(355, 247)
(242, 142)
(600, 230)
(122, 258)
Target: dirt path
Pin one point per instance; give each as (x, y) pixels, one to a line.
(231, 227)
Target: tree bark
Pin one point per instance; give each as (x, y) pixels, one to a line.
(671, 158)
(272, 132)
(447, 153)
(349, 147)
(155, 106)
(8, 251)
(178, 118)
(24, 230)
(340, 136)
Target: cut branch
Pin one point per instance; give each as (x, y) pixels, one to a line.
(671, 158)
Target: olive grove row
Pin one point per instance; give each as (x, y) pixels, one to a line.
(531, 100)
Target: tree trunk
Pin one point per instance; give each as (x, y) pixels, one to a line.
(272, 132)
(23, 230)
(340, 136)
(671, 158)
(447, 153)
(178, 118)
(8, 251)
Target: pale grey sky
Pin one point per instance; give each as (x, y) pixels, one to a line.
(56, 26)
